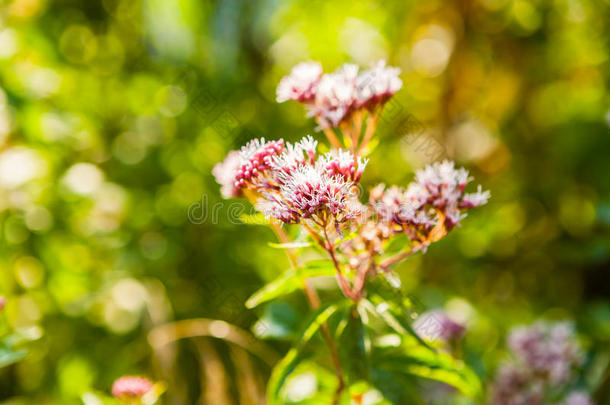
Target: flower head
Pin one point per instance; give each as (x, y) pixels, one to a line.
(445, 187)
(300, 84)
(336, 95)
(377, 85)
(131, 386)
(256, 158)
(309, 191)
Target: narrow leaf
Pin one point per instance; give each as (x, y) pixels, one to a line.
(290, 281)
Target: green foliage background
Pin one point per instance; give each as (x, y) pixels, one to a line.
(113, 113)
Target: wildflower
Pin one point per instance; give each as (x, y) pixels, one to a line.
(376, 85)
(437, 325)
(225, 172)
(2, 303)
(335, 96)
(131, 387)
(300, 84)
(256, 158)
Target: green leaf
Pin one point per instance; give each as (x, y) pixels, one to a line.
(290, 281)
(394, 320)
(395, 387)
(288, 364)
(416, 360)
(279, 321)
(353, 347)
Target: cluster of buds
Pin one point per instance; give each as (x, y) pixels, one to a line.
(546, 358)
(343, 98)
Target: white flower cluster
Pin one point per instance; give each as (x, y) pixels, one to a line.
(333, 97)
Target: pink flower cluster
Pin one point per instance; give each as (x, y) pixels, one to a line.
(291, 182)
(549, 350)
(131, 386)
(333, 97)
(546, 357)
(437, 195)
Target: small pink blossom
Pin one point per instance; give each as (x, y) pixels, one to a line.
(300, 84)
(131, 386)
(2, 302)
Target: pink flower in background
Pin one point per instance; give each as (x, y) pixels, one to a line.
(515, 386)
(131, 386)
(546, 359)
(2, 302)
(300, 84)
(225, 172)
(550, 350)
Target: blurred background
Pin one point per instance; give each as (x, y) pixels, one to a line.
(113, 113)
